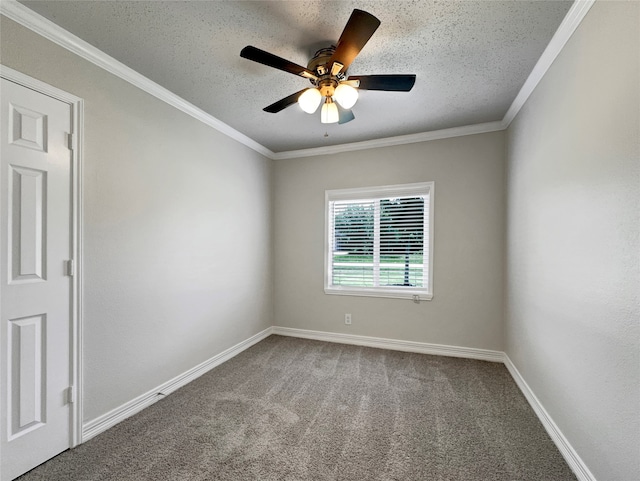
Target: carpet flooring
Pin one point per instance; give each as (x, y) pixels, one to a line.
(295, 409)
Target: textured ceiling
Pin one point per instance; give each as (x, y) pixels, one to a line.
(470, 57)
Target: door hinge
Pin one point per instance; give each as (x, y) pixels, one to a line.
(71, 268)
(70, 395)
(70, 141)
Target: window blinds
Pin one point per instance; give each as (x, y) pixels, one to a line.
(379, 242)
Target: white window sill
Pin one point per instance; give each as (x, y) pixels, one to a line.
(386, 293)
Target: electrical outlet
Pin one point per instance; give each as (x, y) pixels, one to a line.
(347, 318)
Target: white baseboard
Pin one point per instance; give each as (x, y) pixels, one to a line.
(102, 423)
(113, 417)
(393, 344)
(577, 465)
(570, 455)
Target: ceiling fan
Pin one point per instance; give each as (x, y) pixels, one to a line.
(327, 73)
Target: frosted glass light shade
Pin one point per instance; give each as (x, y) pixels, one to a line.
(345, 95)
(310, 100)
(329, 113)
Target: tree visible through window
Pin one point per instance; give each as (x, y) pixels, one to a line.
(378, 243)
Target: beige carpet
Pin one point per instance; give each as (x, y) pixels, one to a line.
(294, 409)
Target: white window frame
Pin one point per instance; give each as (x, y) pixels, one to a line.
(364, 193)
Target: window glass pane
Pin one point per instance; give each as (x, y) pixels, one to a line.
(402, 241)
(353, 243)
(352, 274)
(401, 274)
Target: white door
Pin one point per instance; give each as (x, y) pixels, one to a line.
(35, 302)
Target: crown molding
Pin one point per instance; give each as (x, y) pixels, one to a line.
(49, 30)
(44, 27)
(571, 21)
(391, 141)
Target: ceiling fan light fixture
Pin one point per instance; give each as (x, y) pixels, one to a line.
(327, 71)
(345, 95)
(310, 100)
(329, 113)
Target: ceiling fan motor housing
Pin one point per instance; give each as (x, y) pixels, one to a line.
(321, 60)
(320, 63)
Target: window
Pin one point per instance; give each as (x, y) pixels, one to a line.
(380, 241)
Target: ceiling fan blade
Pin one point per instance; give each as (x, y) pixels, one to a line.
(390, 83)
(345, 115)
(271, 60)
(356, 34)
(282, 104)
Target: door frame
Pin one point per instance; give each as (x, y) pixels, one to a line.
(77, 142)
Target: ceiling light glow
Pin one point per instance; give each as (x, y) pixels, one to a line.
(345, 95)
(310, 100)
(329, 112)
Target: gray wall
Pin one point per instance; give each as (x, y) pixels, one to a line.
(178, 237)
(177, 230)
(572, 312)
(466, 309)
